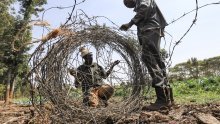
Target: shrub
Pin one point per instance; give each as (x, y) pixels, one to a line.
(196, 86)
(2, 90)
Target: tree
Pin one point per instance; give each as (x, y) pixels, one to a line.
(194, 68)
(6, 23)
(15, 34)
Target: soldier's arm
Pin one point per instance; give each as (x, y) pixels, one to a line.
(77, 76)
(142, 11)
(105, 75)
(102, 72)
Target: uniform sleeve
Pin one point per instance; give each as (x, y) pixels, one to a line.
(142, 11)
(102, 72)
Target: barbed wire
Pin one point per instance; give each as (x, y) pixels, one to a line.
(52, 58)
(171, 50)
(50, 79)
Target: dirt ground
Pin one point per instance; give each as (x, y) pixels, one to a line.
(179, 114)
(14, 114)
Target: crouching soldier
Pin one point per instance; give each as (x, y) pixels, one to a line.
(90, 76)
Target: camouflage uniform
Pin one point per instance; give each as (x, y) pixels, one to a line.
(90, 76)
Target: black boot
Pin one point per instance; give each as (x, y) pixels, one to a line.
(161, 101)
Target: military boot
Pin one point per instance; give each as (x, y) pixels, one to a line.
(86, 101)
(161, 101)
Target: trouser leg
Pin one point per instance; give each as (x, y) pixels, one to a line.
(86, 94)
(156, 67)
(151, 56)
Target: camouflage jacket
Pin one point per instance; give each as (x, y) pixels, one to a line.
(90, 75)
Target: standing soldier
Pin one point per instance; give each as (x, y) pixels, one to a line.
(150, 27)
(90, 76)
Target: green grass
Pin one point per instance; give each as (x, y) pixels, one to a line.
(192, 91)
(192, 98)
(198, 91)
(198, 98)
(27, 100)
(22, 101)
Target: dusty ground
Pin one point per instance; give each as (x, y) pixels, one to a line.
(179, 114)
(14, 114)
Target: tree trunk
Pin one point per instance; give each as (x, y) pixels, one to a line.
(11, 92)
(7, 91)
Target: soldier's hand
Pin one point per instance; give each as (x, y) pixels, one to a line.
(125, 27)
(77, 85)
(116, 62)
(72, 71)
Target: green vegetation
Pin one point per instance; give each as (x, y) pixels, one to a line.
(2, 90)
(191, 91)
(15, 34)
(202, 90)
(122, 91)
(194, 69)
(196, 80)
(22, 101)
